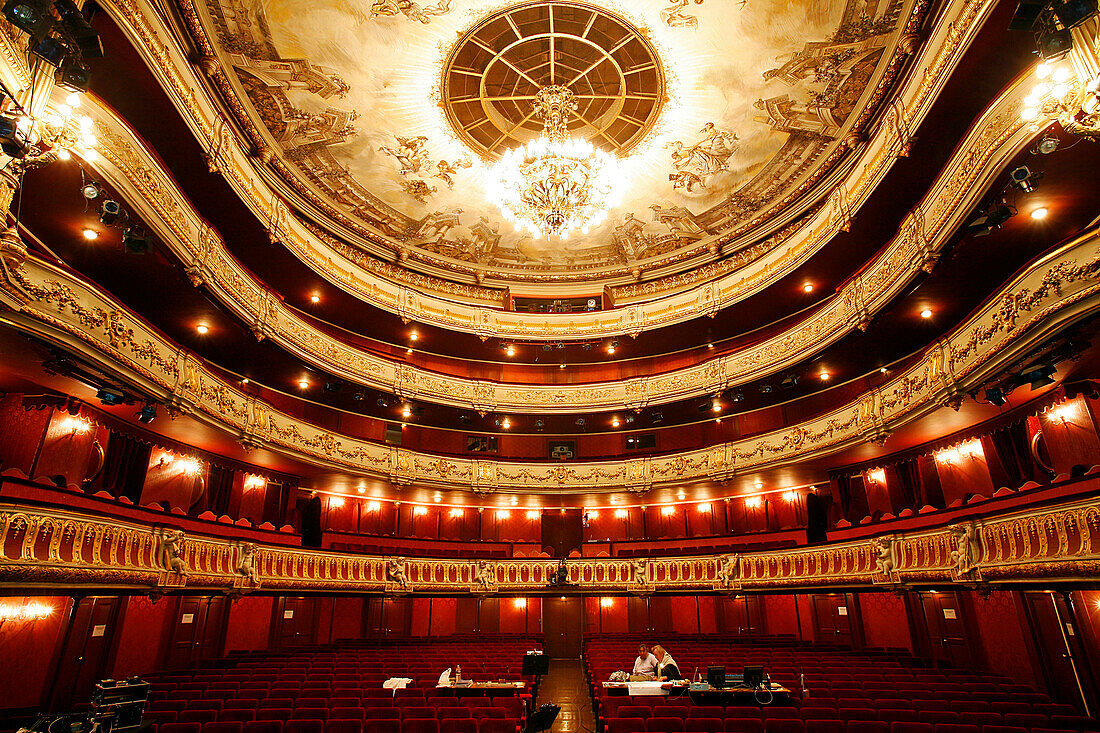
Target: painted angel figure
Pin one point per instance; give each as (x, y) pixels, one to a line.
(411, 153)
(411, 10)
(447, 171)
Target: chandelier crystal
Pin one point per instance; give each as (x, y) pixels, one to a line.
(556, 184)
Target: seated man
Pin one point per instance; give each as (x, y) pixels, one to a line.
(666, 665)
(645, 665)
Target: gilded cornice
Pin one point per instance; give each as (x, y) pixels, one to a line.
(1051, 294)
(478, 310)
(71, 549)
(126, 164)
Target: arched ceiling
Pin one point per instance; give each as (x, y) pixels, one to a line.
(727, 119)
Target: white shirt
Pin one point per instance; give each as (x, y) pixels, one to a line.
(445, 678)
(645, 665)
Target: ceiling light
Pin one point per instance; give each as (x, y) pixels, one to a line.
(1039, 213)
(710, 346)
(808, 288)
(303, 383)
(64, 154)
(758, 484)
(561, 366)
(315, 298)
(513, 500)
(406, 411)
(681, 495)
(89, 233)
(362, 489)
(614, 422)
(824, 376)
(555, 184)
(882, 370)
(510, 351)
(506, 423)
(203, 329)
(413, 335)
(926, 313)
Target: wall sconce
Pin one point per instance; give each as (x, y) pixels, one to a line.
(534, 514)
(503, 513)
(32, 611)
(877, 476)
(1065, 412)
(519, 602)
(753, 502)
(419, 511)
(374, 506)
(668, 511)
(790, 497)
(336, 501)
(456, 512)
(190, 466)
(252, 481)
(607, 602)
(592, 513)
(74, 425)
(702, 508)
(620, 514)
(971, 449)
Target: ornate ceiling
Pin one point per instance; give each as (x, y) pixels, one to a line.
(727, 117)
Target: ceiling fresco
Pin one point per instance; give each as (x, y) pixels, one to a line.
(722, 113)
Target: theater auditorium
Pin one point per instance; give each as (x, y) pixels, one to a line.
(508, 366)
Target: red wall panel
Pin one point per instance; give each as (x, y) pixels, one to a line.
(28, 647)
(421, 617)
(22, 431)
(141, 636)
(347, 618)
(1001, 627)
(779, 615)
(249, 624)
(443, 616)
(708, 614)
(166, 481)
(685, 614)
(884, 620)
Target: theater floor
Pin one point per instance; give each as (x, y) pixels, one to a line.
(565, 686)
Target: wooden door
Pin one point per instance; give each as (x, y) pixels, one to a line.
(1062, 656)
(291, 625)
(741, 615)
(187, 632)
(563, 626)
(947, 630)
(832, 615)
(213, 637)
(83, 657)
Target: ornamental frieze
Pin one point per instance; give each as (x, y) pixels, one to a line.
(133, 170)
(1053, 293)
(39, 545)
(456, 306)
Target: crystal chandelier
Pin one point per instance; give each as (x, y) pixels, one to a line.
(555, 184)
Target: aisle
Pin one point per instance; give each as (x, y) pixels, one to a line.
(565, 686)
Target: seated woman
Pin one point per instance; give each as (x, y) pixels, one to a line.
(666, 665)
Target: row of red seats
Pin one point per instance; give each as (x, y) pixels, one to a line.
(488, 725)
(360, 714)
(261, 700)
(752, 725)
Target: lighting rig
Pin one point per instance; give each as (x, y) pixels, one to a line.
(1036, 370)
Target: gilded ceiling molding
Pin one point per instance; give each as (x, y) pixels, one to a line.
(63, 548)
(995, 138)
(1056, 291)
(479, 310)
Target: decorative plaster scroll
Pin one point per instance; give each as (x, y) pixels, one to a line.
(69, 548)
(471, 308)
(1054, 292)
(128, 166)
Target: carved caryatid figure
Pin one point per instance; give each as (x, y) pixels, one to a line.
(885, 555)
(641, 571)
(729, 570)
(247, 565)
(485, 574)
(968, 550)
(395, 572)
(172, 549)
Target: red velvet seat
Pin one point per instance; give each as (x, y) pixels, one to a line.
(980, 719)
(812, 712)
(635, 711)
(160, 717)
(783, 725)
(625, 725)
(1027, 720)
(707, 711)
(669, 711)
(443, 702)
(344, 701)
(376, 713)
(311, 702)
(1049, 709)
(1074, 722)
(204, 704)
(347, 713)
(866, 714)
(311, 725)
(826, 726)
(496, 725)
(742, 711)
(197, 716)
(896, 715)
(454, 713)
(779, 713)
(241, 715)
(228, 726)
(458, 725)
(937, 716)
(264, 726)
(957, 728)
(868, 726)
(310, 714)
(969, 706)
(246, 704)
(275, 701)
(343, 726)
(744, 725)
(282, 714)
(704, 725)
(513, 706)
(1003, 729)
(421, 713)
(664, 725)
(909, 727)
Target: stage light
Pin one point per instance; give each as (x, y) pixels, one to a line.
(31, 16)
(147, 414)
(73, 76)
(110, 396)
(1041, 376)
(109, 212)
(990, 219)
(134, 241)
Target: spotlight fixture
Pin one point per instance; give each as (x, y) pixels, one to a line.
(580, 423)
(134, 241)
(1054, 44)
(51, 49)
(737, 396)
(147, 413)
(358, 396)
(656, 417)
(766, 389)
(72, 75)
(76, 28)
(539, 425)
(1040, 376)
(110, 396)
(1048, 144)
(31, 16)
(109, 212)
(13, 138)
(1072, 13)
(89, 191)
(332, 386)
(465, 419)
(382, 402)
(992, 218)
(1024, 178)
(790, 381)
(995, 396)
